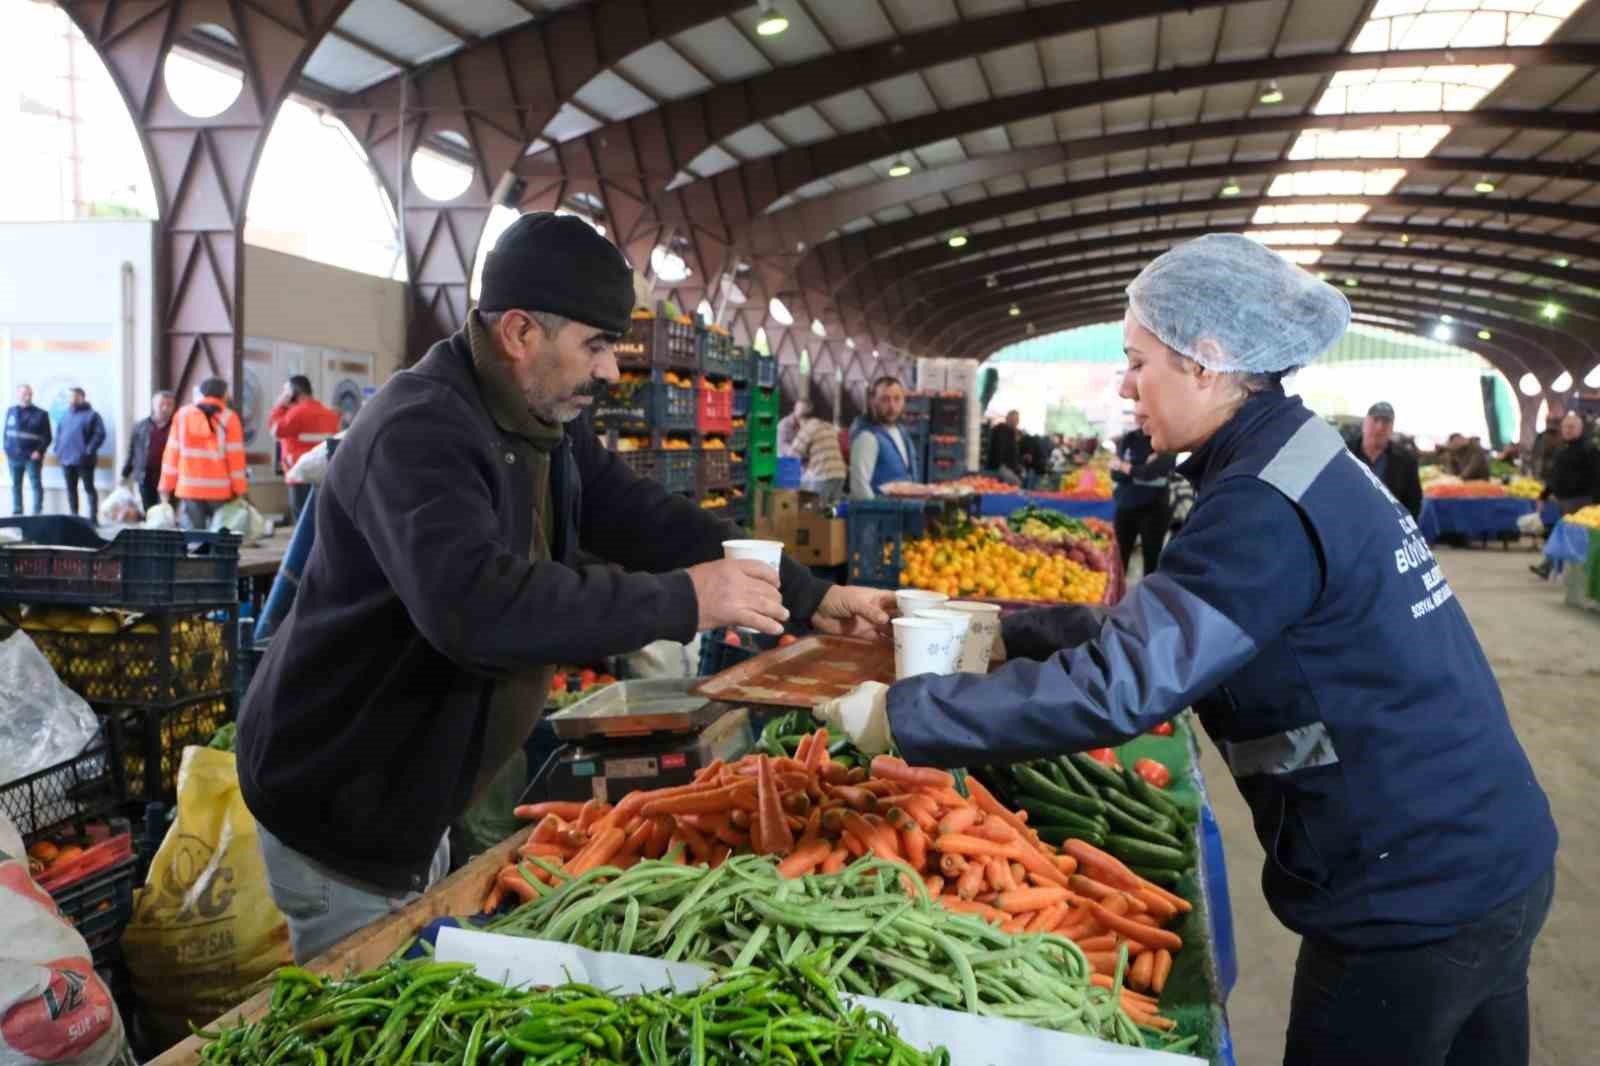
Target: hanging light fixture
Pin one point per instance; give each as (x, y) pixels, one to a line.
(772, 21)
(957, 240)
(1405, 238)
(1351, 283)
(1443, 334)
(899, 168)
(1015, 311)
(1563, 262)
(1447, 318)
(1231, 189)
(1483, 185)
(1552, 311)
(1484, 335)
(1272, 94)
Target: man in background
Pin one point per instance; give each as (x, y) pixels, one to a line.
(1395, 465)
(300, 422)
(817, 447)
(880, 451)
(789, 426)
(203, 465)
(27, 437)
(1466, 458)
(1542, 456)
(1005, 448)
(146, 447)
(79, 438)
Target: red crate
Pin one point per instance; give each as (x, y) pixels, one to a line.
(713, 409)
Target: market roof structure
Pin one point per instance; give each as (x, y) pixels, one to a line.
(929, 177)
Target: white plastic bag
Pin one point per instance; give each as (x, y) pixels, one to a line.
(121, 508)
(53, 1006)
(42, 721)
(310, 468)
(161, 516)
(238, 516)
(1531, 524)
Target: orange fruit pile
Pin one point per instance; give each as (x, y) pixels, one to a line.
(979, 563)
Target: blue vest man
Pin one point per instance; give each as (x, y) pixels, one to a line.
(880, 451)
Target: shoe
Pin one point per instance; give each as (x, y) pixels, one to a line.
(1541, 569)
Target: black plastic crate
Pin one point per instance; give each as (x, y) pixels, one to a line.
(642, 461)
(946, 470)
(713, 469)
(739, 438)
(740, 371)
(152, 739)
(917, 405)
(100, 906)
(763, 370)
(678, 471)
(946, 448)
(155, 658)
(628, 404)
(86, 786)
(139, 568)
(878, 529)
(741, 399)
(658, 341)
(717, 352)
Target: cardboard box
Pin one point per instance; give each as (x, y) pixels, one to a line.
(799, 519)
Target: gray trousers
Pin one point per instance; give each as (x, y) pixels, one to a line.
(196, 514)
(323, 906)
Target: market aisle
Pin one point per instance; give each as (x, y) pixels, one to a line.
(1547, 657)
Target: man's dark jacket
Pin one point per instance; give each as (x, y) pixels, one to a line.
(1005, 450)
(1574, 470)
(145, 433)
(363, 731)
(1400, 474)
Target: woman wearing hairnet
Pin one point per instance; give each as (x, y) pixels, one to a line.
(1303, 617)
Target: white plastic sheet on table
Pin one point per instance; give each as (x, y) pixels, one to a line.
(971, 1039)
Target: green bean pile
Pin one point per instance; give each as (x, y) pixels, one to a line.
(882, 941)
(443, 1014)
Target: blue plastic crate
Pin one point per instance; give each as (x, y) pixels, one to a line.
(672, 408)
(741, 399)
(739, 439)
(678, 471)
(878, 529)
(740, 370)
(917, 406)
(763, 370)
(946, 449)
(788, 474)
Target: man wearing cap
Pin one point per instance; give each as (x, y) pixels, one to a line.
(445, 586)
(1395, 465)
(1304, 618)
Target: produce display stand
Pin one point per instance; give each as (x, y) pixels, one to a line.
(1574, 550)
(460, 893)
(1000, 504)
(1481, 518)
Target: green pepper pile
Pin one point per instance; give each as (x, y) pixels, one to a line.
(441, 1012)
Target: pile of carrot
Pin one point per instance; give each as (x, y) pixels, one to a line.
(814, 815)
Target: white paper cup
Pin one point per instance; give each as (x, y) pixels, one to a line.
(956, 623)
(761, 551)
(977, 650)
(921, 646)
(910, 601)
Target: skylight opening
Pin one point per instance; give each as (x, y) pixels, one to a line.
(1301, 256)
(1309, 214)
(1377, 142)
(1336, 183)
(1294, 236)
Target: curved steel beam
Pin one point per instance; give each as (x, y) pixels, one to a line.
(963, 277)
(1563, 350)
(800, 166)
(1019, 284)
(861, 290)
(813, 220)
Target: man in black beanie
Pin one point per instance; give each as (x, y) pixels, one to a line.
(445, 587)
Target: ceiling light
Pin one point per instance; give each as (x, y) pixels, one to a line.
(1272, 94)
(1443, 334)
(1551, 311)
(1446, 318)
(899, 168)
(1529, 385)
(991, 281)
(1562, 383)
(772, 21)
(1563, 262)
(957, 240)
(1405, 238)
(1351, 283)
(1231, 189)
(1484, 335)
(1483, 185)
(1015, 311)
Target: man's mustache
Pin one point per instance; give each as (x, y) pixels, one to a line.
(593, 387)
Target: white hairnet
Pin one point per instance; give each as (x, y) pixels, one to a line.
(1234, 305)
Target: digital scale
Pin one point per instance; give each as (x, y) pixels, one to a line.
(638, 735)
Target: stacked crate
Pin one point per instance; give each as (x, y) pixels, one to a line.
(719, 358)
(914, 424)
(651, 417)
(947, 437)
(761, 426)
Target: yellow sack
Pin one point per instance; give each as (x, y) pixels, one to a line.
(205, 933)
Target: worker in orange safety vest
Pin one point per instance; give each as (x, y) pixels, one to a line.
(300, 422)
(203, 465)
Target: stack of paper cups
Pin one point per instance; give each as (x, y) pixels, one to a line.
(910, 601)
(957, 623)
(921, 646)
(983, 634)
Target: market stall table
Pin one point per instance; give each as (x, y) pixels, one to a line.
(1474, 518)
(1002, 504)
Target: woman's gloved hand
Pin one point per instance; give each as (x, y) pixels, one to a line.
(862, 715)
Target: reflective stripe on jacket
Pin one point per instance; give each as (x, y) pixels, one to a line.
(202, 463)
(1302, 614)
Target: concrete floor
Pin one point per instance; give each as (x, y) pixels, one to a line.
(1547, 658)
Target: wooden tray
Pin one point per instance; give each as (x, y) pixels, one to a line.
(807, 673)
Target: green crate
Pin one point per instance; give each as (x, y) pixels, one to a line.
(763, 403)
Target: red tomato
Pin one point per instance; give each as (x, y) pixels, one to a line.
(587, 678)
(1104, 755)
(558, 683)
(1153, 772)
(605, 679)
(1162, 730)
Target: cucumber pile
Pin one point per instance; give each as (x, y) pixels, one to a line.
(1075, 796)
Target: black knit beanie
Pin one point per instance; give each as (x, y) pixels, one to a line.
(559, 264)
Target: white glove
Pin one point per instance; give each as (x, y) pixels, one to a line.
(862, 715)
